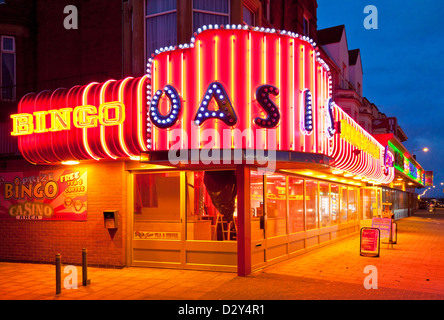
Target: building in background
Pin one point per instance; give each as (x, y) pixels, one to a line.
(133, 207)
(347, 78)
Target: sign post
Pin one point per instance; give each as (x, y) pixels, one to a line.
(370, 242)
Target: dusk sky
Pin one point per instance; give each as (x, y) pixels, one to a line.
(402, 65)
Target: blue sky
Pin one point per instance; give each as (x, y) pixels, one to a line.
(402, 64)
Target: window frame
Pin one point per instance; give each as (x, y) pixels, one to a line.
(147, 16)
(193, 10)
(14, 53)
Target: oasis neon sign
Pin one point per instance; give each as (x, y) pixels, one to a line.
(269, 84)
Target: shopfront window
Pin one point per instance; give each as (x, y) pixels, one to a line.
(296, 204)
(211, 205)
(334, 204)
(366, 203)
(311, 195)
(157, 206)
(344, 193)
(324, 204)
(257, 205)
(276, 205)
(352, 208)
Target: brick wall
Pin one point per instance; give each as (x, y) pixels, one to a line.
(68, 57)
(40, 241)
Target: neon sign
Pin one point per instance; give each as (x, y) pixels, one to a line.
(82, 117)
(95, 121)
(267, 83)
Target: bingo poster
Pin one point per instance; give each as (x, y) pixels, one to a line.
(44, 195)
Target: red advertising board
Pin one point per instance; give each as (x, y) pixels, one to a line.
(370, 241)
(44, 195)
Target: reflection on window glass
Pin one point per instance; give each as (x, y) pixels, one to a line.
(248, 16)
(276, 205)
(210, 12)
(311, 188)
(366, 202)
(257, 205)
(352, 212)
(324, 204)
(344, 206)
(161, 32)
(334, 204)
(211, 205)
(157, 206)
(296, 204)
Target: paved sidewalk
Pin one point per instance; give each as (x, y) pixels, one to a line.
(413, 270)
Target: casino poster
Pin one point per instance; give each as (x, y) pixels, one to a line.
(44, 195)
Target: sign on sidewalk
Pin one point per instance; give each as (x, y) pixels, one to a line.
(370, 242)
(384, 226)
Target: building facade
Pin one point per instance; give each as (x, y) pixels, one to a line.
(144, 137)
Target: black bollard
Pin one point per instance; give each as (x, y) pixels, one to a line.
(58, 274)
(85, 268)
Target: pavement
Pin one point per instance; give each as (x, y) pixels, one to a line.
(413, 269)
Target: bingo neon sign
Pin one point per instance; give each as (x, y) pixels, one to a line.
(228, 78)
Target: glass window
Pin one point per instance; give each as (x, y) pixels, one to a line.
(311, 197)
(160, 24)
(210, 12)
(324, 204)
(211, 205)
(352, 210)
(366, 200)
(306, 26)
(344, 207)
(296, 204)
(7, 80)
(157, 206)
(334, 189)
(248, 16)
(257, 205)
(276, 205)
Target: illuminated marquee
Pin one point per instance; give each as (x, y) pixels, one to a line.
(96, 121)
(82, 117)
(229, 77)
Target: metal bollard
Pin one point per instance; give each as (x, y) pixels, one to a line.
(85, 280)
(58, 274)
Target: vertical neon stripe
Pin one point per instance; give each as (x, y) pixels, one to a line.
(232, 83)
(140, 116)
(153, 91)
(264, 80)
(120, 126)
(278, 66)
(292, 106)
(183, 99)
(302, 88)
(199, 87)
(169, 106)
(315, 105)
(102, 128)
(85, 133)
(250, 95)
(216, 78)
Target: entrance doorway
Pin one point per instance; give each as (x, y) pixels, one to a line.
(178, 222)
